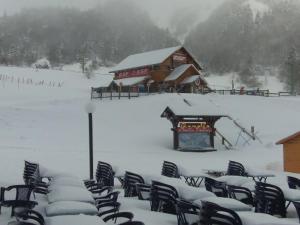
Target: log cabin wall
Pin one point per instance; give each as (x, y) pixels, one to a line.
(291, 153)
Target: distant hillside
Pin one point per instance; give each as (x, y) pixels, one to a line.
(107, 34)
(240, 31)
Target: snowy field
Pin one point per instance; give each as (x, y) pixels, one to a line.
(46, 122)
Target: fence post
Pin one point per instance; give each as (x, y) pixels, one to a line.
(129, 92)
(111, 93)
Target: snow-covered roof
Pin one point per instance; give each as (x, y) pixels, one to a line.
(190, 108)
(177, 72)
(130, 81)
(191, 79)
(145, 59)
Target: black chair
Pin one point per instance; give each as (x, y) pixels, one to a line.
(187, 213)
(27, 217)
(143, 191)
(236, 169)
(116, 216)
(241, 194)
(110, 197)
(104, 174)
(216, 187)
(163, 198)
(269, 199)
(293, 182)
(108, 208)
(212, 214)
(22, 197)
(29, 169)
(297, 206)
(39, 186)
(130, 181)
(132, 223)
(170, 169)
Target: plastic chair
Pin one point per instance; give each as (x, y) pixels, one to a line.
(212, 214)
(187, 213)
(163, 198)
(170, 169)
(107, 208)
(269, 199)
(293, 182)
(216, 187)
(27, 217)
(236, 169)
(132, 223)
(143, 191)
(241, 194)
(22, 198)
(110, 197)
(130, 181)
(116, 216)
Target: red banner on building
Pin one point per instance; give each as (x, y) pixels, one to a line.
(194, 127)
(133, 73)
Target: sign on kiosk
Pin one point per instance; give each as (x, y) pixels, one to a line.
(193, 127)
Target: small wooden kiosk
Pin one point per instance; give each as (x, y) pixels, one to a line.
(193, 133)
(291, 153)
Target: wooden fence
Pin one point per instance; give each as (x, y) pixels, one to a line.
(103, 93)
(264, 93)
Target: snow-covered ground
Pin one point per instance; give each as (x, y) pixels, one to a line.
(47, 123)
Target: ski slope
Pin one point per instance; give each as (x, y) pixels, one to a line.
(48, 124)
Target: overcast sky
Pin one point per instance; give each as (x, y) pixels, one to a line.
(159, 10)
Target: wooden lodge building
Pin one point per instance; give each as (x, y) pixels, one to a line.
(170, 69)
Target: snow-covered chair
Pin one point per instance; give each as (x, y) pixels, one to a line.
(21, 199)
(217, 215)
(130, 181)
(27, 217)
(241, 194)
(293, 182)
(105, 174)
(170, 169)
(269, 199)
(216, 187)
(236, 169)
(132, 223)
(143, 191)
(187, 213)
(128, 216)
(163, 197)
(108, 208)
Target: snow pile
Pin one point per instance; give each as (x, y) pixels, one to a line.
(257, 8)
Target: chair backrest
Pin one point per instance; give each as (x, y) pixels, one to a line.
(143, 191)
(107, 208)
(216, 187)
(29, 170)
(235, 169)
(187, 212)
(104, 174)
(132, 223)
(241, 194)
(170, 169)
(130, 181)
(29, 215)
(217, 215)
(297, 206)
(269, 199)
(293, 182)
(163, 197)
(23, 192)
